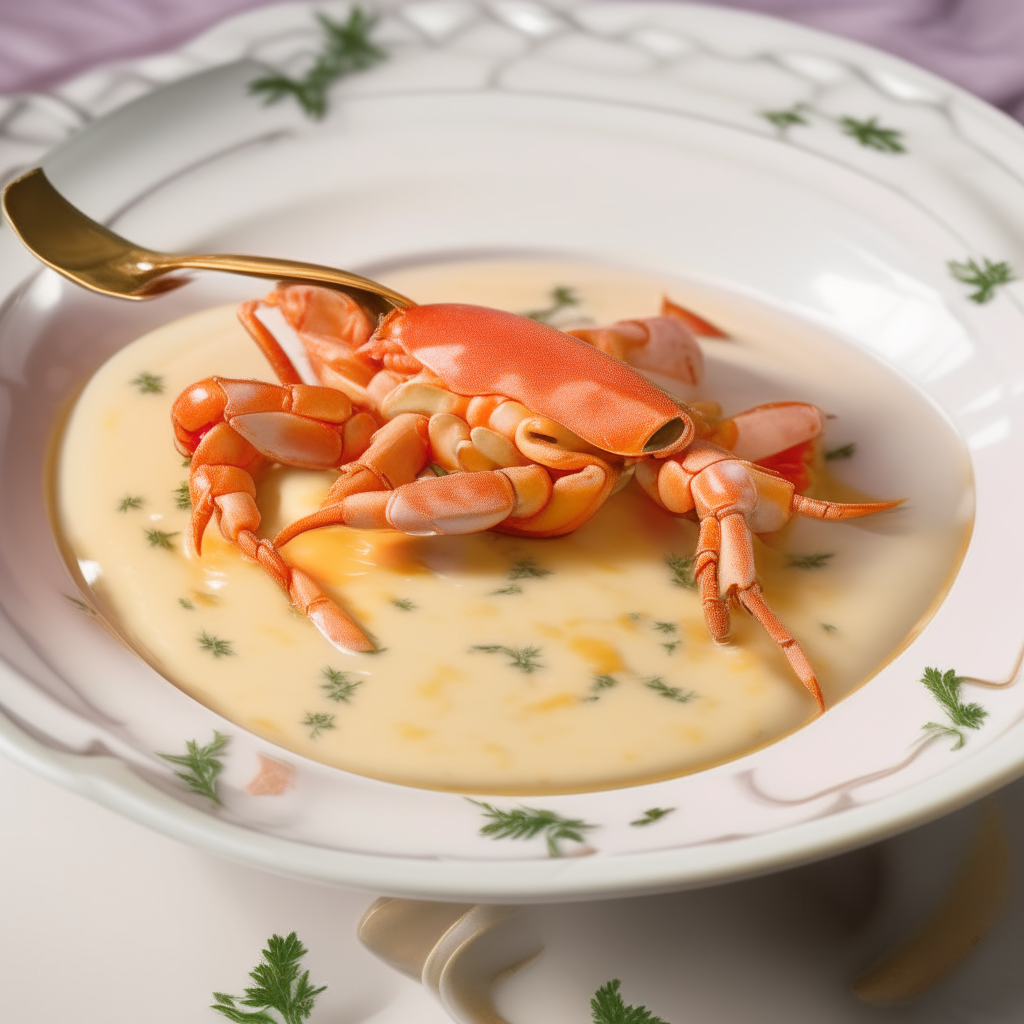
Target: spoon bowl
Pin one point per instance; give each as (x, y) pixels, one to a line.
(89, 254)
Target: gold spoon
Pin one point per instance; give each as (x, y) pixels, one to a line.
(90, 255)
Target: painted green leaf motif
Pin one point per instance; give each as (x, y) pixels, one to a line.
(945, 688)
(201, 765)
(528, 822)
(784, 119)
(347, 48)
(984, 277)
(871, 134)
(651, 815)
(277, 985)
(608, 1007)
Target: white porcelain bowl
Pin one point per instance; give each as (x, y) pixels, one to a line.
(631, 134)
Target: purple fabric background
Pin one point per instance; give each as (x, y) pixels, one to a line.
(977, 43)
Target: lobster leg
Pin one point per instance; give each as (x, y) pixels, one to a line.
(221, 485)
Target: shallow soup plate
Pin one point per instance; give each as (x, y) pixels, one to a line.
(846, 220)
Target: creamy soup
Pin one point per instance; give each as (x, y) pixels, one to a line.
(506, 665)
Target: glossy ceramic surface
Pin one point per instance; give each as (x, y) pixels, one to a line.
(773, 171)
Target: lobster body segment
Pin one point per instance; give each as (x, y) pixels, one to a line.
(454, 419)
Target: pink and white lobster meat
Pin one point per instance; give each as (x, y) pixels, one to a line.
(534, 427)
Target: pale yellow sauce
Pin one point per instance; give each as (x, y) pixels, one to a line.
(429, 711)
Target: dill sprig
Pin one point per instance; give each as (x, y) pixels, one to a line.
(161, 539)
(608, 1007)
(829, 628)
(945, 688)
(346, 48)
(871, 134)
(845, 451)
(666, 627)
(522, 658)
(513, 588)
(601, 682)
(651, 815)
(528, 569)
(149, 383)
(317, 722)
(671, 646)
(185, 603)
(404, 603)
(527, 822)
(659, 686)
(784, 119)
(278, 986)
(561, 298)
(129, 502)
(816, 561)
(182, 498)
(682, 571)
(214, 645)
(984, 277)
(339, 686)
(201, 765)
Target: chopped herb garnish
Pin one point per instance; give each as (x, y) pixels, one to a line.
(217, 647)
(187, 461)
(561, 298)
(634, 616)
(785, 118)
(829, 628)
(871, 134)
(527, 569)
(845, 451)
(129, 502)
(527, 822)
(346, 48)
(945, 688)
(160, 539)
(817, 561)
(340, 686)
(201, 765)
(665, 627)
(278, 986)
(607, 1007)
(437, 470)
(682, 571)
(317, 722)
(149, 383)
(513, 589)
(659, 686)
(522, 658)
(186, 604)
(984, 278)
(182, 498)
(404, 603)
(670, 647)
(602, 682)
(651, 815)
(79, 604)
